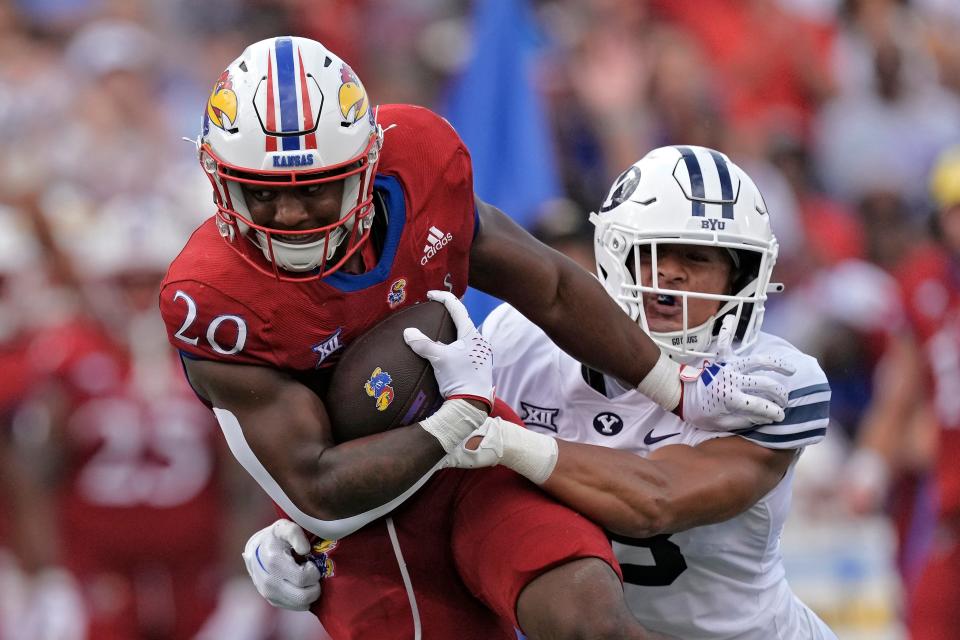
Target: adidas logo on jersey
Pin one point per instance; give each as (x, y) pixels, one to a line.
(436, 240)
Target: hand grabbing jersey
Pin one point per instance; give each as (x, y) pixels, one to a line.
(732, 392)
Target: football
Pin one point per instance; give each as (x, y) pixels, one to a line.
(379, 382)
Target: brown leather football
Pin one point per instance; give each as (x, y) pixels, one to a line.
(379, 382)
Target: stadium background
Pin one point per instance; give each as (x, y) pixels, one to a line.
(838, 108)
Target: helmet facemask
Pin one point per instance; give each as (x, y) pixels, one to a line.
(745, 299)
(285, 249)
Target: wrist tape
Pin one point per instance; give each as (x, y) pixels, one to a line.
(662, 384)
(452, 422)
(532, 455)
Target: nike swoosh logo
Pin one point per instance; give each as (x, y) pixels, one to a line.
(651, 439)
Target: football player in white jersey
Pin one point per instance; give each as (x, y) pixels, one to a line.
(694, 514)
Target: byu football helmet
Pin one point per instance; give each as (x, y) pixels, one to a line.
(288, 112)
(693, 196)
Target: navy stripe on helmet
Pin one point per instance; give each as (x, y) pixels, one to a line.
(287, 84)
(697, 189)
(726, 185)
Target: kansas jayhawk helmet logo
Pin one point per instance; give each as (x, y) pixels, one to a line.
(222, 105)
(378, 386)
(353, 99)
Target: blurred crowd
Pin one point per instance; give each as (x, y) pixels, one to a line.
(123, 514)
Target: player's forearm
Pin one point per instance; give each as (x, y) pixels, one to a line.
(314, 488)
(716, 480)
(286, 445)
(641, 497)
(580, 307)
(559, 296)
(619, 490)
(366, 473)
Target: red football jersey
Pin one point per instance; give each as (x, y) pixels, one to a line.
(141, 466)
(930, 280)
(15, 361)
(140, 498)
(217, 306)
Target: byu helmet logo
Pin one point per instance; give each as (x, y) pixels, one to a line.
(622, 189)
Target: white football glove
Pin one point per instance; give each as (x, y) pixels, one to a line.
(276, 574)
(463, 368)
(728, 394)
(532, 455)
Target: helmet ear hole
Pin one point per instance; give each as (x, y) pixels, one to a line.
(208, 163)
(745, 273)
(630, 264)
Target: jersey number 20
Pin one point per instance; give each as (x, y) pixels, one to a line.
(211, 334)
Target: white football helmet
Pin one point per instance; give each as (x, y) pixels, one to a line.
(290, 112)
(687, 195)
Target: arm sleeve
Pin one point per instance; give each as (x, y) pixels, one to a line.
(807, 411)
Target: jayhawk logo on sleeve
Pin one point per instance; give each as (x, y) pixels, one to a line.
(378, 386)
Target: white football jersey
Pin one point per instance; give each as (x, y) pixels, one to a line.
(724, 580)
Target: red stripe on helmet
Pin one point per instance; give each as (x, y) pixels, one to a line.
(271, 113)
(310, 138)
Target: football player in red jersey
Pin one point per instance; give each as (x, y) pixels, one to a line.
(38, 597)
(924, 385)
(134, 471)
(331, 214)
(930, 279)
